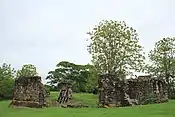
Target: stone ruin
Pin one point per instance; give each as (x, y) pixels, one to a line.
(142, 90)
(29, 92)
(65, 93)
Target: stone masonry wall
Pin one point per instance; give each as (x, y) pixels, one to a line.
(142, 90)
(110, 89)
(29, 92)
(146, 89)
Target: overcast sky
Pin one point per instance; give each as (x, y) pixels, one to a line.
(45, 32)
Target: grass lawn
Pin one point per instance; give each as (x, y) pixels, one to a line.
(84, 98)
(153, 110)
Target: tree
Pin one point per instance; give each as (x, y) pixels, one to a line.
(27, 70)
(7, 74)
(114, 48)
(65, 72)
(162, 59)
(72, 73)
(92, 81)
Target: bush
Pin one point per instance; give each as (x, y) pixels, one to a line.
(6, 81)
(6, 91)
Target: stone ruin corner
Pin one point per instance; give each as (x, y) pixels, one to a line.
(29, 92)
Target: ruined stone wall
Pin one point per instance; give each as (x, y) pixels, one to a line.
(146, 89)
(65, 93)
(142, 90)
(29, 92)
(110, 89)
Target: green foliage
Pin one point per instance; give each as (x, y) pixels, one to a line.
(114, 48)
(162, 59)
(48, 88)
(92, 80)
(27, 70)
(7, 75)
(82, 77)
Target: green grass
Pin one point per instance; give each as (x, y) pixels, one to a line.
(83, 98)
(153, 110)
(87, 99)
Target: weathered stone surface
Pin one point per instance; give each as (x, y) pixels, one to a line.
(29, 92)
(147, 89)
(110, 90)
(142, 90)
(65, 93)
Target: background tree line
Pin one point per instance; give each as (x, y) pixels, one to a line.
(82, 77)
(115, 49)
(8, 76)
